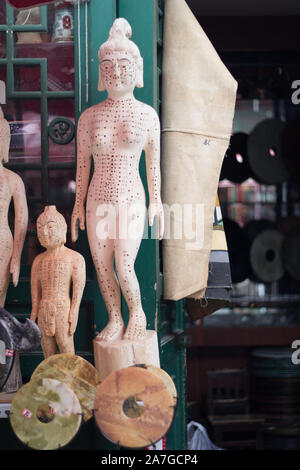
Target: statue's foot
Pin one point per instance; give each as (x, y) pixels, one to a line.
(136, 328)
(114, 330)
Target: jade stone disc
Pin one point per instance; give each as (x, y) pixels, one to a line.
(75, 371)
(45, 414)
(134, 407)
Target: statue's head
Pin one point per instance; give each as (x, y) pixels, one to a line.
(4, 138)
(120, 62)
(51, 228)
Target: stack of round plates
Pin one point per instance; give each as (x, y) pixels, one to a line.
(275, 391)
(274, 362)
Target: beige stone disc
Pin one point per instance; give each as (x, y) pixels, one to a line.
(164, 376)
(45, 414)
(75, 371)
(134, 407)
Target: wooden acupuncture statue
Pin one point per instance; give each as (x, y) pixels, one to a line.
(11, 187)
(52, 274)
(11, 246)
(115, 132)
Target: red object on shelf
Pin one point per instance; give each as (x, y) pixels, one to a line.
(163, 444)
(22, 4)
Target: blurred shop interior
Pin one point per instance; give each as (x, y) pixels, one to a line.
(243, 384)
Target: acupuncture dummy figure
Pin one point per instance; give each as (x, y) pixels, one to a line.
(11, 188)
(115, 132)
(52, 274)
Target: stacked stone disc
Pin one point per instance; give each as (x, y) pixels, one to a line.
(275, 394)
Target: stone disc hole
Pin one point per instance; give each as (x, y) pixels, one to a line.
(45, 414)
(133, 407)
(270, 255)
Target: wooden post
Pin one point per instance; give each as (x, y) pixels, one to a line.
(111, 356)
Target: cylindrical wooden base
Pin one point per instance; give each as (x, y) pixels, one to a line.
(115, 355)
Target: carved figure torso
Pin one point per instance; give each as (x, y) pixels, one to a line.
(55, 278)
(54, 275)
(117, 134)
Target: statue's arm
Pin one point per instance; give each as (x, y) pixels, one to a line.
(152, 155)
(20, 225)
(78, 279)
(36, 290)
(83, 168)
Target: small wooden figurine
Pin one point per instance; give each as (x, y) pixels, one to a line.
(52, 273)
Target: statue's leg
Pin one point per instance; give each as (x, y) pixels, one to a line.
(110, 291)
(102, 250)
(4, 281)
(48, 344)
(65, 342)
(5, 257)
(126, 250)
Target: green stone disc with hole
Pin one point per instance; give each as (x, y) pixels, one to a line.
(76, 372)
(45, 414)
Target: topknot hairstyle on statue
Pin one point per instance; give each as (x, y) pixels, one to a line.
(119, 40)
